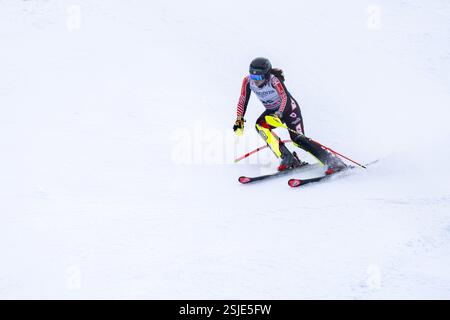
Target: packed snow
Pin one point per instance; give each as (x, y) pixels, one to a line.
(117, 173)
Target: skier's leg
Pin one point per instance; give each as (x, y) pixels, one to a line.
(294, 121)
(296, 108)
(265, 131)
(275, 143)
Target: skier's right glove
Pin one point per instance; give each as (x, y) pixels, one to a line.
(239, 126)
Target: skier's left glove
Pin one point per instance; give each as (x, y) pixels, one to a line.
(239, 126)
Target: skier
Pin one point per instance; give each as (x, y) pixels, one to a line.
(268, 85)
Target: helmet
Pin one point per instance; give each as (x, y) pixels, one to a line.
(260, 66)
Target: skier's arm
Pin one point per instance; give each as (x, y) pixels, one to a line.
(244, 98)
(282, 91)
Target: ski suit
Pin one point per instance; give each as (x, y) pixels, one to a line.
(276, 98)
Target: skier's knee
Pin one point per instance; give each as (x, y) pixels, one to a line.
(263, 124)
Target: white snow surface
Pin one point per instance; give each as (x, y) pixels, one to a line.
(117, 173)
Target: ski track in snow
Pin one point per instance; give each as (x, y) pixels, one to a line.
(117, 174)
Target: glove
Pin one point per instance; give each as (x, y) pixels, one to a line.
(239, 126)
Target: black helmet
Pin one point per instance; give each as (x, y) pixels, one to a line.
(260, 66)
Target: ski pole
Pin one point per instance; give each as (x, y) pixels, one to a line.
(276, 122)
(255, 151)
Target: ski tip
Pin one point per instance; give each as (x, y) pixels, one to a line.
(294, 183)
(244, 180)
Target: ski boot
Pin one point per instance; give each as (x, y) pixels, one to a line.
(288, 160)
(335, 165)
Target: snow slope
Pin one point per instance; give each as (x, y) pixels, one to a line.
(116, 170)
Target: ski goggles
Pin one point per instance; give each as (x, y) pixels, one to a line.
(257, 77)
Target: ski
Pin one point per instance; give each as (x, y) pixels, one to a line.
(309, 169)
(304, 167)
(246, 180)
(295, 183)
